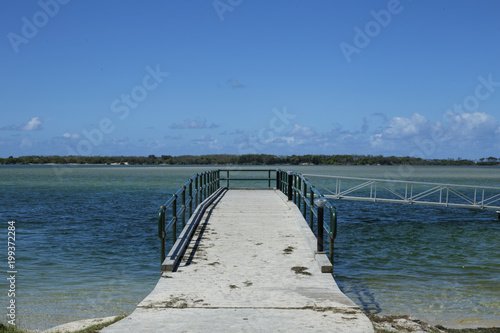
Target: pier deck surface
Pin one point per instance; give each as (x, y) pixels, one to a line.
(250, 267)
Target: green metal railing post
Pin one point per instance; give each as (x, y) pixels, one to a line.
(333, 232)
(205, 182)
(215, 187)
(174, 213)
(197, 189)
(211, 182)
(321, 213)
(298, 190)
(202, 187)
(311, 207)
(290, 185)
(304, 201)
(190, 198)
(284, 181)
(161, 231)
(183, 206)
(320, 202)
(214, 181)
(293, 190)
(227, 178)
(282, 175)
(278, 179)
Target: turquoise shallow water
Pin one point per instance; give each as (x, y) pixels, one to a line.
(86, 243)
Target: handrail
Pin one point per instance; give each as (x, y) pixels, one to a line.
(202, 185)
(228, 177)
(206, 183)
(411, 192)
(303, 194)
(398, 181)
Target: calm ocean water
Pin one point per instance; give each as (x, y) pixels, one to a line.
(86, 244)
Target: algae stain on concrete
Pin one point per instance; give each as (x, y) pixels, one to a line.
(300, 270)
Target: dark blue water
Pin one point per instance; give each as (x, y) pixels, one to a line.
(440, 264)
(87, 245)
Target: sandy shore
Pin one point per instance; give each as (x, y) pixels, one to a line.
(382, 324)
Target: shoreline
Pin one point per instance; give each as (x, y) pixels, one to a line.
(381, 324)
(412, 324)
(245, 159)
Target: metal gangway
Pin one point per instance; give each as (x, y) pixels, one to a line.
(407, 192)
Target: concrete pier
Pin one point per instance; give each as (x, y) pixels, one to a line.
(250, 267)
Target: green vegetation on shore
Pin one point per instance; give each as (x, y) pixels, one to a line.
(248, 159)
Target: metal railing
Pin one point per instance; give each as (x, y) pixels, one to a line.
(257, 176)
(180, 207)
(417, 193)
(303, 194)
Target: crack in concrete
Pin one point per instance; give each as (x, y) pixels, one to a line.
(180, 303)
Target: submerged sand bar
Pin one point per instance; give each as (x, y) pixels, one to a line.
(250, 267)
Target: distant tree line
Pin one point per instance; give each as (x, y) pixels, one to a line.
(248, 159)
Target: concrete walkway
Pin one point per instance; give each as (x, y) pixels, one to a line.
(250, 267)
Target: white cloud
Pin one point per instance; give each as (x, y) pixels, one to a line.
(458, 134)
(400, 127)
(33, 125)
(194, 124)
(302, 132)
(283, 140)
(74, 136)
(208, 142)
(476, 124)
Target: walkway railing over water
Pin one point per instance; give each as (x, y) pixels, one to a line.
(180, 207)
(303, 194)
(417, 193)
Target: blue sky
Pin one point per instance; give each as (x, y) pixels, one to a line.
(406, 78)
